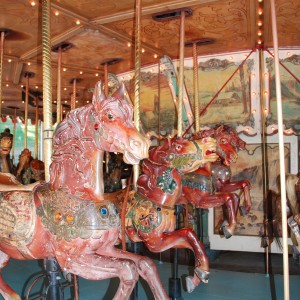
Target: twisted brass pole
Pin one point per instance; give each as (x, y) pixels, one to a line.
(137, 83)
(73, 98)
(47, 87)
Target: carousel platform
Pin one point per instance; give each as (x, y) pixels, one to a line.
(234, 276)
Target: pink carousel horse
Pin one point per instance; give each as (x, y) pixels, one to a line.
(210, 185)
(150, 214)
(67, 219)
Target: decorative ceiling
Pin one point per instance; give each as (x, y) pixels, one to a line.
(101, 31)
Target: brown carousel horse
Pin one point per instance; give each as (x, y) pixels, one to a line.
(211, 185)
(67, 219)
(150, 214)
(29, 170)
(6, 141)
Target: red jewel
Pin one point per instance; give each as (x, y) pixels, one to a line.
(96, 126)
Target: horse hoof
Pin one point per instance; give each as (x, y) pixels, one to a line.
(243, 211)
(189, 284)
(203, 275)
(226, 232)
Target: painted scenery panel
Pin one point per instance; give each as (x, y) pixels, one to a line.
(249, 167)
(230, 102)
(157, 110)
(290, 90)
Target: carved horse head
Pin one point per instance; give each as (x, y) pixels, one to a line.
(228, 142)
(114, 130)
(161, 181)
(81, 139)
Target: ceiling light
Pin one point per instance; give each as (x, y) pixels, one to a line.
(78, 22)
(32, 3)
(57, 13)
(9, 60)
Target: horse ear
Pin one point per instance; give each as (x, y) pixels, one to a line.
(98, 95)
(120, 92)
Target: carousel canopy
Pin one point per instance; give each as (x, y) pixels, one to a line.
(94, 34)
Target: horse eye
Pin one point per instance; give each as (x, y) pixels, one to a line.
(110, 116)
(224, 141)
(178, 147)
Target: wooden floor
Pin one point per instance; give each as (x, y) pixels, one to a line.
(234, 276)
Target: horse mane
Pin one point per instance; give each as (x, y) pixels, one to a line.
(222, 131)
(72, 126)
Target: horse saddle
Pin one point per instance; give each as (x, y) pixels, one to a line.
(198, 181)
(69, 217)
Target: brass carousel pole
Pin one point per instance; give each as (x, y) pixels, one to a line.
(281, 156)
(14, 133)
(265, 241)
(198, 211)
(27, 76)
(137, 76)
(174, 281)
(196, 88)
(106, 94)
(47, 87)
(58, 92)
(36, 132)
(135, 247)
(73, 98)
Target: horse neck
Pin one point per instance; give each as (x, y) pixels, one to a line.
(85, 161)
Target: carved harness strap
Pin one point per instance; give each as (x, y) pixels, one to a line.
(146, 215)
(17, 218)
(69, 217)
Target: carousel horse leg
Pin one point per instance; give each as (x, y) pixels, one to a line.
(99, 267)
(5, 290)
(187, 238)
(232, 204)
(247, 204)
(147, 270)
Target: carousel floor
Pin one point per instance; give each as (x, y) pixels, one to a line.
(233, 277)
